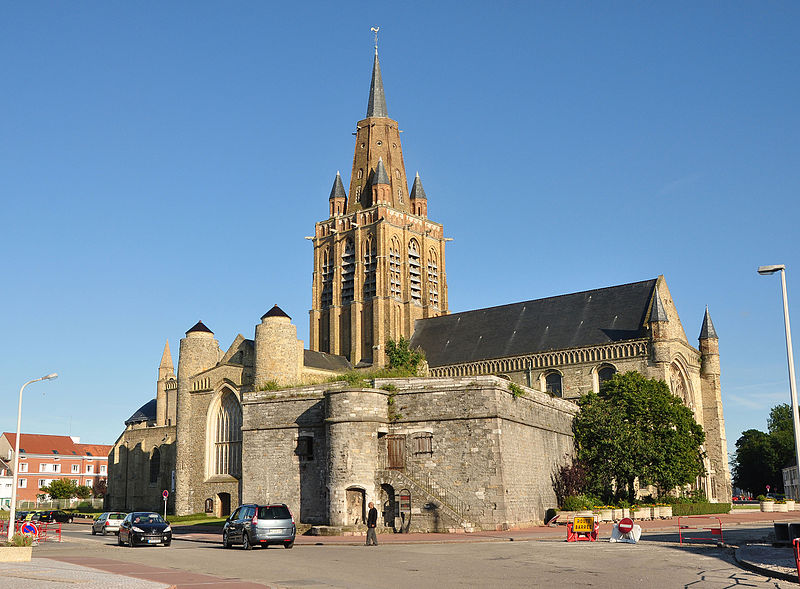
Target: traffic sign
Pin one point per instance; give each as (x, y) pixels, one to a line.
(29, 529)
(165, 494)
(625, 525)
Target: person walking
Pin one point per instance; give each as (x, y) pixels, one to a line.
(372, 522)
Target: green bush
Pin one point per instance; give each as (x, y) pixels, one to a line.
(20, 540)
(578, 502)
(516, 390)
(700, 508)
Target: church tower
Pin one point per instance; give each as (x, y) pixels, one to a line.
(378, 260)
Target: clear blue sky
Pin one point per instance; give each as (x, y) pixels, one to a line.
(161, 163)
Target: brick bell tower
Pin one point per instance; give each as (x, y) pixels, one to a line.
(379, 261)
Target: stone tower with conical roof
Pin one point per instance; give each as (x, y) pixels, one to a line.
(379, 262)
(166, 390)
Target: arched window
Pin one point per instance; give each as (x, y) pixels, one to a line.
(327, 279)
(400, 195)
(433, 280)
(348, 271)
(678, 385)
(360, 173)
(552, 383)
(155, 465)
(370, 264)
(604, 373)
(227, 432)
(414, 273)
(394, 268)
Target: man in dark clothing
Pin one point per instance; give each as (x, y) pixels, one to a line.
(372, 521)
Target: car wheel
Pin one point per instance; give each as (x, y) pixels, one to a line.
(168, 542)
(246, 541)
(225, 542)
(94, 532)
(119, 541)
(130, 540)
(288, 544)
(105, 532)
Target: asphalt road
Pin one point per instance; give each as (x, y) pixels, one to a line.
(656, 562)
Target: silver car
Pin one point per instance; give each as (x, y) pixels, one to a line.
(259, 525)
(108, 522)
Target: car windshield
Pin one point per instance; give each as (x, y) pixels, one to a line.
(116, 516)
(147, 518)
(274, 512)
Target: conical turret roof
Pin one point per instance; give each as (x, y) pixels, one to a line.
(376, 106)
(337, 191)
(381, 177)
(417, 191)
(657, 312)
(275, 311)
(708, 331)
(199, 327)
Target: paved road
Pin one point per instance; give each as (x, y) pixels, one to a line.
(657, 562)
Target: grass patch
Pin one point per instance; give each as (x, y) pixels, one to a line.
(700, 508)
(195, 519)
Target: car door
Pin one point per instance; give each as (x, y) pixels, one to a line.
(100, 522)
(234, 533)
(125, 529)
(246, 517)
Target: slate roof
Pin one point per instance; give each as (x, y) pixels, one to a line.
(588, 318)
(658, 313)
(337, 190)
(199, 327)
(417, 191)
(381, 177)
(275, 311)
(325, 361)
(146, 412)
(707, 331)
(376, 105)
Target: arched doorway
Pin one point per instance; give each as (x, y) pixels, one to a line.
(388, 506)
(223, 504)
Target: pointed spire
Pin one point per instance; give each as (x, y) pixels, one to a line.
(376, 107)
(381, 177)
(417, 191)
(166, 358)
(708, 331)
(657, 312)
(337, 191)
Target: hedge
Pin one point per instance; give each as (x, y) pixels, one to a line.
(700, 508)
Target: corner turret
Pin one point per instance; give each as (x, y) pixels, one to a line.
(419, 201)
(278, 352)
(165, 410)
(709, 348)
(338, 197)
(659, 321)
(381, 185)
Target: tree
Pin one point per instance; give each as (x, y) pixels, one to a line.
(635, 428)
(61, 489)
(781, 431)
(100, 488)
(402, 357)
(83, 492)
(755, 462)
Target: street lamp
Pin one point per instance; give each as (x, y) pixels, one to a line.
(765, 270)
(14, 483)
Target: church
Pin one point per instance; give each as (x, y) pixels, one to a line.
(470, 443)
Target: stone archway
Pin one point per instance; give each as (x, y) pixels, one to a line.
(223, 505)
(388, 506)
(356, 509)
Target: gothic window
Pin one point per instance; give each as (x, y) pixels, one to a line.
(370, 264)
(360, 173)
(394, 268)
(678, 386)
(227, 431)
(552, 383)
(433, 280)
(604, 373)
(423, 443)
(414, 272)
(397, 174)
(327, 279)
(155, 466)
(358, 191)
(400, 195)
(348, 271)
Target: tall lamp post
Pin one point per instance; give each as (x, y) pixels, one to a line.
(765, 270)
(14, 483)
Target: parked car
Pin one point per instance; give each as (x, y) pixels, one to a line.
(144, 527)
(252, 525)
(20, 515)
(55, 516)
(107, 522)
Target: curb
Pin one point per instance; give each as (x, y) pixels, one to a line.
(763, 570)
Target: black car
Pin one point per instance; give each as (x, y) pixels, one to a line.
(253, 525)
(55, 516)
(144, 527)
(20, 515)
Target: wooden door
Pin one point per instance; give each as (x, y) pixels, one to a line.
(396, 447)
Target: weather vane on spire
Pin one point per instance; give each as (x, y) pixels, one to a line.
(375, 30)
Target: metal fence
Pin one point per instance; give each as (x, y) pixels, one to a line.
(94, 503)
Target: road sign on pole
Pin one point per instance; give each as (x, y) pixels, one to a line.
(165, 494)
